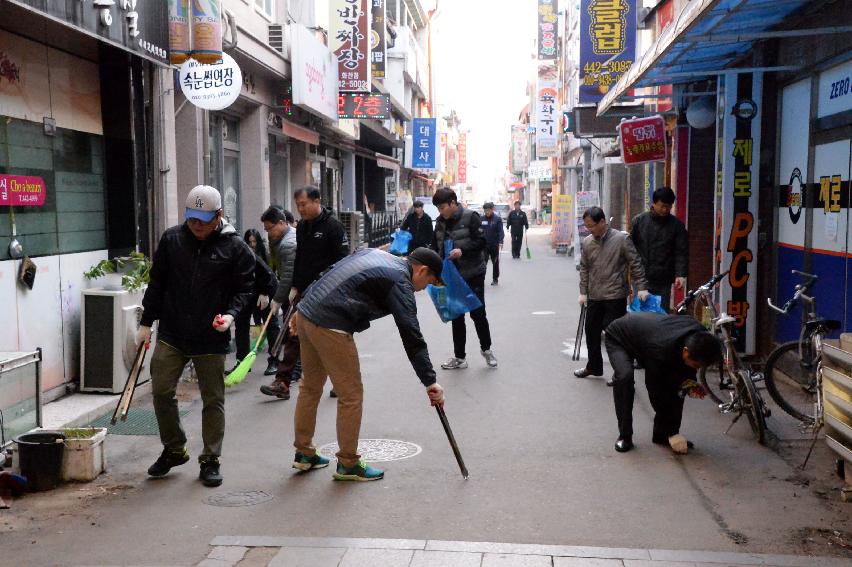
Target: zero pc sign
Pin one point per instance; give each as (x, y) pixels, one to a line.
(212, 87)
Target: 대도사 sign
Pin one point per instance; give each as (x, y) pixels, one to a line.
(548, 33)
(425, 137)
(607, 45)
(212, 87)
(22, 191)
(643, 140)
(349, 41)
(361, 105)
(314, 74)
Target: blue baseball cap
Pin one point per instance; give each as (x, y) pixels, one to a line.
(202, 203)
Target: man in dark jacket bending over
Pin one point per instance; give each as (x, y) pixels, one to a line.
(363, 287)
(671, 348)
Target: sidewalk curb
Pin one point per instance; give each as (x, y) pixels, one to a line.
(62, 413)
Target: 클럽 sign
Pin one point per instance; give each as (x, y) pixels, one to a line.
(22, 191)
(214, 86)
(360, 105)
(607, 45)
(643, 140)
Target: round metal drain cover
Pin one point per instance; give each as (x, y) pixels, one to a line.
(374, 450)
(239, 498)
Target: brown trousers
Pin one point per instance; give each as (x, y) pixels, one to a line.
(329, 353)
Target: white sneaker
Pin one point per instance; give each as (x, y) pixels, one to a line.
(490, 359)
(454, 364)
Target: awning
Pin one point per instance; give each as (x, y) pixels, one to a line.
(387, 162)
(705, 39)
(293, 130)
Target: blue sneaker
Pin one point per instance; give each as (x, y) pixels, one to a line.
(305, 463)
(360, 472)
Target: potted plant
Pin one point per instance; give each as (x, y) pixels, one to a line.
(84, 458)
(123, 272)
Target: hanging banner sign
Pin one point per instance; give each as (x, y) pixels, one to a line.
(607, 45)
(425, 140)
(22, 191)
(563, 219)
(378, 40)
(548, 33)
(643, 140)
(546, 116)
(179, 31)
(212, 87)
(314, 74)
(462, 177)
(349, 40)
(540, 169)
(363, 106)
(520, 143)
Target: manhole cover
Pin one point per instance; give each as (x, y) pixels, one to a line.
(239, 498)
(378, 450)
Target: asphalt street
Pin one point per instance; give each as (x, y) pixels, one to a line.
(537, 441)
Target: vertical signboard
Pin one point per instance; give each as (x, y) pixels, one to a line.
(563, 219)
(378, 42)
(349, 40)
(520, 141)
(314, 74)
(462, 158)
(740, 153)
(425, 136)
(607, 45)
(665, 16)
(548, 24)
(547, 118)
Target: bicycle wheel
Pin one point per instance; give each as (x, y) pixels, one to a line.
(716, 382)
(752, 405)
(792, 381)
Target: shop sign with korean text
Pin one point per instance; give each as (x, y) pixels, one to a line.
(138, 26)
(607, 45)
(314, 74)
(22, 191)
(540, 170)
(349, 41)
(548, 29)
(547, 116)
(212, 87)
(424, 147)
(643, 140)
(462, 148)
(520, 142)
(363, 106)
(378, 40)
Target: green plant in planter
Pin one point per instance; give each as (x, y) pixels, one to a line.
(135, 270)
(80, 432)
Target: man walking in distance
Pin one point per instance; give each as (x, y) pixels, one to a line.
(661, 240)
(463, 228)
(419, 224)
(671, 348)
(282, 257)
(366, 286)
(493, 226)
(320, 242)
(201, 278)
(607, 257)
(517, 223)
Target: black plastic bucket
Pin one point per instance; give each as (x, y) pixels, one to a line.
(40, 458)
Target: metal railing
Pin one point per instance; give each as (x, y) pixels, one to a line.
(379, 226)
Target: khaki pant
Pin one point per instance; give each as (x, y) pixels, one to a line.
(329, 353)
(167, 364)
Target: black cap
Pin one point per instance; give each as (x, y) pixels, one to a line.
(430, 259)
(418, 204)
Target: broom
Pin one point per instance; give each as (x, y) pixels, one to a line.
(527, 246)
(239, 373)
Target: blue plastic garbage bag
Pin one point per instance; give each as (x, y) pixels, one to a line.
(650, 305)
(401, 240)
(454, 298)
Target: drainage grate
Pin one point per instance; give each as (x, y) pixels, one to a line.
(239, 498)
(139, 422)
(377, 450)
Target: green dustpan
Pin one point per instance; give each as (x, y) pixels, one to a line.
(239, 373)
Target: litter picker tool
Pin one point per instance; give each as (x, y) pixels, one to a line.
(452, 439)
(578, 342)
(123, 405)
(279, 340)
(239, 373)
(527, 246)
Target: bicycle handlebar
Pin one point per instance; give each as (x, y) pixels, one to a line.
(801, 288)
(692, 294)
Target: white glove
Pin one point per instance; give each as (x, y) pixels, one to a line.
(293, 293)
(680, 283)
(679, 444)
(262, 301)
(582, 299)
(643, 295)
(143, 335)
(223, 322)
(274, 306)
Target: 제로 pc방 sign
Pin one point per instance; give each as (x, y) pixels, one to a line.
(212, 87)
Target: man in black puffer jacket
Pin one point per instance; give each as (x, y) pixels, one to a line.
(201, 279)
(661, 240)
(366, 286)
(463, 228)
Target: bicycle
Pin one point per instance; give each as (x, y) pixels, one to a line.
(737, 391)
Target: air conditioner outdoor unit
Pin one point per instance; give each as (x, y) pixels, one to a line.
(108, 324)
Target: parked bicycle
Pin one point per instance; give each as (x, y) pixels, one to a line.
(733, 388)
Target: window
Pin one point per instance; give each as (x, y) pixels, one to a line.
(265, 7)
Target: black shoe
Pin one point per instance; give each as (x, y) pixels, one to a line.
(609, 382)
(271, 368)
(209, 473)
(623, 444)
(236, 364)
(167, 460)
(332, 394)
(584, 373)
(494, 282)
